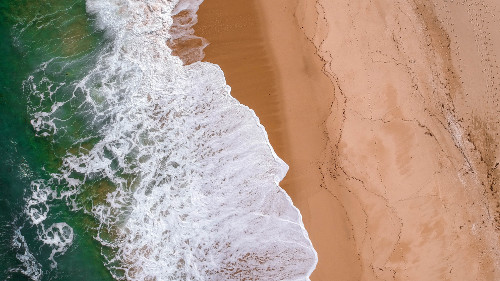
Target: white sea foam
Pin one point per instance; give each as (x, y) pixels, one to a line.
(30, 266)
(36, 205)
(59, 236)
(197, 194)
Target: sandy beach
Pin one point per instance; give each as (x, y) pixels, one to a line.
(387, 113)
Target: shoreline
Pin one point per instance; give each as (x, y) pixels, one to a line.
(261, 85)
(392, 152)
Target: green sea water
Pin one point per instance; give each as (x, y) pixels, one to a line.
(34, 32)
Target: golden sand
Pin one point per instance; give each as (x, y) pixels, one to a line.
(387, 113)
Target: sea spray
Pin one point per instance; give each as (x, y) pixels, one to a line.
(179, 175)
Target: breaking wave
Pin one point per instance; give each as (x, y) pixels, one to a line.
(180, 176)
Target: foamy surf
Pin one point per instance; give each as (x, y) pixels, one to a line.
(188, 179)
(30, 266)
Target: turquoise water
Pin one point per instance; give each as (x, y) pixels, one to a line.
(119, 162)
(32, 33)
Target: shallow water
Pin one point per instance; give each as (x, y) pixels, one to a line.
(121, 162)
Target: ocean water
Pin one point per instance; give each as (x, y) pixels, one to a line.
(121, 162)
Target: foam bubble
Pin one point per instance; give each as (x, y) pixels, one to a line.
(192, 180)
(59, 236)
(36, 205)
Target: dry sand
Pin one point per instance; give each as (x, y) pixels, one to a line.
(387, 113)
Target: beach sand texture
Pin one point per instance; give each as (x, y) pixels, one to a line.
(388, 114)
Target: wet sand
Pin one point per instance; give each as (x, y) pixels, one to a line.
(288, 91)
(387, 113)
